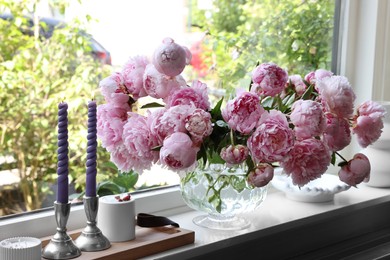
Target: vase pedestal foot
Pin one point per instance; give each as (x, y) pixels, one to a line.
(217, 222)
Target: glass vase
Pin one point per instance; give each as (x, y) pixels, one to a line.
(223, 193)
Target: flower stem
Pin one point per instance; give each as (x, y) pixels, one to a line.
(232, 136)
(212, 185)
(339, 155)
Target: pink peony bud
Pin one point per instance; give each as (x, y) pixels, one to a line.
(170, 58)
(298, 84)
(261, 175)
(356, 171)
(234, 154)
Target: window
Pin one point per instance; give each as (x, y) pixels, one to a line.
(351, 53)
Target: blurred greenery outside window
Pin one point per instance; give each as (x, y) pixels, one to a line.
(37, 73)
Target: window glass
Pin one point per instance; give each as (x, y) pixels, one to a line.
(227, 39)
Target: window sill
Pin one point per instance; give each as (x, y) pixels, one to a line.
(279, 215)
(273, 220)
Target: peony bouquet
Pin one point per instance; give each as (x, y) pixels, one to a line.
(298, 123)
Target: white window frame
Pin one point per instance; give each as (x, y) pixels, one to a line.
(364, 59)
(364, 56)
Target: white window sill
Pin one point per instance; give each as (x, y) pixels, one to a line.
(275, 210)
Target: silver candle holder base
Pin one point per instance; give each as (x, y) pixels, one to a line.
(91, 238)
(61, 246)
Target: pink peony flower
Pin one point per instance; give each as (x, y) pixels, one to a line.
(234, 154)
(243, 112)
(158, 85)
(110, 122)
(273, 138)
(319, 74)
(114, 90)
(178, 152)
(299, 86)
(310, 77)
(268, 79)
(371, 109)
(199, 126)
(121, 158)
(337, 134)
(195, 95)
(139, 142)
(261, 175)
(356, 171)
(308, 118)
(164, 122)
(156, 127)
(337, 95)
(170, 58)
(368, 123)
(132, 73)
(367, 129)
(307, 161)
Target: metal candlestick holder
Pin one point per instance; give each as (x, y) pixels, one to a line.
(61, 246)
(91, 238)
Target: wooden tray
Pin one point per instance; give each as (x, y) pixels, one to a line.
(148, 241)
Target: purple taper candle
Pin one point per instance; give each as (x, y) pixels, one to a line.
(91, 151)
(62, 154)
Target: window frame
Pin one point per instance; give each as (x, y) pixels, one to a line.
(361, 49)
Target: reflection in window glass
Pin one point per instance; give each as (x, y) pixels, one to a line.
(227, 39)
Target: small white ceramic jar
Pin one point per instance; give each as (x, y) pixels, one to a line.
(20, 248)
(116, 219)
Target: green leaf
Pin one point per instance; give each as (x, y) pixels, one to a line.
(126, 180)
(156, 148)
(333, 160)
(108, 188)
(202, 154)
(267, 102)
(289, 100)
(216, 111)
(215, 158)
(110, 165)
(152, 105)
(308, 92)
